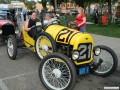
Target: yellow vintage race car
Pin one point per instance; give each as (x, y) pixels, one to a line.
(64, 53)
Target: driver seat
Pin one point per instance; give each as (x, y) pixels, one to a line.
(27, 39)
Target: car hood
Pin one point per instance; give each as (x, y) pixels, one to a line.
(2, 22)
(66, 35)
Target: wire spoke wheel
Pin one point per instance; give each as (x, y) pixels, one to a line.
(56, 73)
(109, 61)
(107, 64)
(45, 45)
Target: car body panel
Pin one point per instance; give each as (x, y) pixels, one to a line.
(28, 41)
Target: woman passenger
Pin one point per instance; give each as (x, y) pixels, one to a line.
(30, 24)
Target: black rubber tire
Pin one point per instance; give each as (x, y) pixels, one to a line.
(12, 37)
(69, 64)
(115, 62)
(51, 40)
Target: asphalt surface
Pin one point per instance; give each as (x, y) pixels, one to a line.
(22, 73)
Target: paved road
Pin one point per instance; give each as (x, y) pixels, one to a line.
(22, 74)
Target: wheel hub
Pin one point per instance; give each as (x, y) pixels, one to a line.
(45, 48)
(57, 73)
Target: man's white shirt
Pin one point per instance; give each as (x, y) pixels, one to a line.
(52, 21)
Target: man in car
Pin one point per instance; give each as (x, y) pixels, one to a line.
(49, 20)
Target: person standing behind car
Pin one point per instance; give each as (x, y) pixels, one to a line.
(80, 19)
(24, 14)
(19, 15)
(96, 15)
(30, 24)
(113, 16)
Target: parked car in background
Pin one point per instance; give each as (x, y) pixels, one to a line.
(8, 23)
(73, 12)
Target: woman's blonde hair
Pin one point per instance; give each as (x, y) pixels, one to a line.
(80, 8)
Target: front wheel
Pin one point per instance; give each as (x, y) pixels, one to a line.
(108, 61)
(12, 47)
(44, 45)
(57, 72)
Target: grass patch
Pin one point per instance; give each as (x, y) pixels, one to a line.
(111, 30)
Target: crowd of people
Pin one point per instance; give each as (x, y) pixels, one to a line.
(104, 18)
(80, 19)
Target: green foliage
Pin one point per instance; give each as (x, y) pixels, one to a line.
(5, 1)
(118, 8)
(43, 2)
(30, 4)
(52, 2)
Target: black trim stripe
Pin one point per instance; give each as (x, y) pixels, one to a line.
(59, 32)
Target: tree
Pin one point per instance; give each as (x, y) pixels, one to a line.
(79, 2)
(52, 2)
(89, 4)
(30, 4)
(43, 2)
(110, 2)
(5, 1)
(110, 6)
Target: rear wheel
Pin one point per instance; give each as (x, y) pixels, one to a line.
(108, 59)
(44, 45)
(12, 47)
(57, 72)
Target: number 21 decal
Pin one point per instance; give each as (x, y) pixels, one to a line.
(64, 35)
(84, 51)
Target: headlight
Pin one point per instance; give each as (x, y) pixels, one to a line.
(17, 31)
(97, 51)
(0, 31)
(75, 55)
